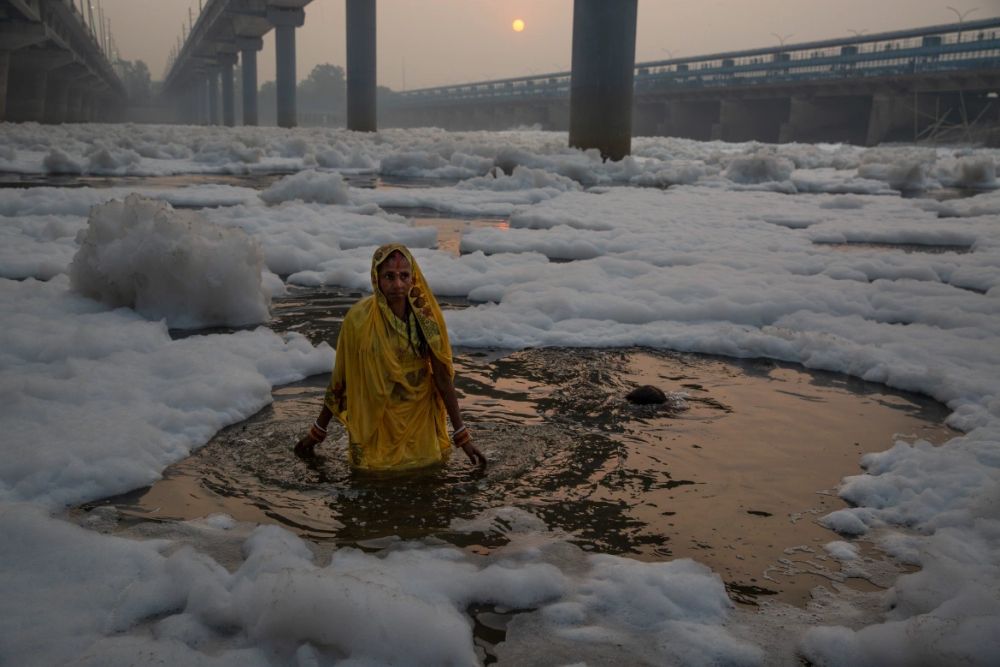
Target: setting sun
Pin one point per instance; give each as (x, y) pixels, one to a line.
(517, 25)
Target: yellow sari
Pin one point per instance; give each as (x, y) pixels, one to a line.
(382, 389)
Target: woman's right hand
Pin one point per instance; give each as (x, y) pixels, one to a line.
(306, 446)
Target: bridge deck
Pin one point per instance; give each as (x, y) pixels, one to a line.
(935, 51)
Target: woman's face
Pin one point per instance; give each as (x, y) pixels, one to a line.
(395, 279)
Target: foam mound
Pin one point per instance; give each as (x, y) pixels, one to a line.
(167, 264)
(309, 186)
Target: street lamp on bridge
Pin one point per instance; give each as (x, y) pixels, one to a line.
(782, 38)
(961, 17)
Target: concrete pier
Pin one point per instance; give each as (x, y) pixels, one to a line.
(4, 72)
(73, 100)
(226, 62)
(752, 119)
(840, 119)
(57, 89)
(361, 75)
(249, 46)
(27, 82)
(602, 73)
(202, 115)
(692, 120)
(26, 93)
(213, 97)
(285, 21)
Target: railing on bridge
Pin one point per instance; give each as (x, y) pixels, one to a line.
(962, 46)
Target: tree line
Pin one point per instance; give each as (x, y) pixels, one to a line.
(321, 96)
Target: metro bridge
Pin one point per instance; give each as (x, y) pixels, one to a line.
(54, 67)
(940, 81)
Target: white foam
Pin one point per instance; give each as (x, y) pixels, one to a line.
(309, 186)
(170, 264)
(713, 265)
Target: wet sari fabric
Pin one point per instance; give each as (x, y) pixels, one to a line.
(381, 388)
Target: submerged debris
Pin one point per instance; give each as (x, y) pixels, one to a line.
(647, 394)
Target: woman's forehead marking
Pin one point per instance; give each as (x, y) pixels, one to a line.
(395, 263)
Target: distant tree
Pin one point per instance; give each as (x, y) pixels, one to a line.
(321, 97)
(135, 76)
(324, 93)
(384, 94)
(267, 103)
(325, 85)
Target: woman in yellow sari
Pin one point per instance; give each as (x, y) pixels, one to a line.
(392, 380)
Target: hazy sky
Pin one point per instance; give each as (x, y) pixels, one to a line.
(434, 42)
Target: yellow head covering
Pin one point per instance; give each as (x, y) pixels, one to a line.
(423, 305)
(371, 373)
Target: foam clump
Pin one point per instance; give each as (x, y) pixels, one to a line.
(842, 550)
(425, 164)
(172, 265)
(106, 160)
(59, 162)
(977, 172)
(754, 169)
(905, 169)
(521, 178)
(309, 186)
(225, 152)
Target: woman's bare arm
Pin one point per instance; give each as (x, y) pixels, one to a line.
(446, 390)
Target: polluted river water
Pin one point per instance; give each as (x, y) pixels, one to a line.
(732, 471)
(766, 514)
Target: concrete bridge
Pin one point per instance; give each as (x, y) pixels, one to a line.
(199, 82)
(224, 30)
(52, 67)
(937, 82)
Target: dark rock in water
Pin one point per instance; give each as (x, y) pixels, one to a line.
(647, 394)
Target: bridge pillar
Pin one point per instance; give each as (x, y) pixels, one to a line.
(840, 119)
(73, 103)
(361, 76)
(753, 119)
(199, 94)
(14, 37)
(482, 117)
(692, 120)
(57, 99)
(191, 114)
(601, 81)
(648, 119)
(249, 46)
(4, 71)
(26, 94)
(528, 115)
(206, 97)
(226, 62)
(213, 96)
(892, 118)
(285, 21)
(27, 83)
(86, 107)
(184, 106)
(557, 114)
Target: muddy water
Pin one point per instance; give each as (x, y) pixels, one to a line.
(733, 471)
